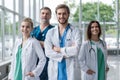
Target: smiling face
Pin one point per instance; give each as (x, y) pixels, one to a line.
(95, 29)
(26, 28)
(62, 15)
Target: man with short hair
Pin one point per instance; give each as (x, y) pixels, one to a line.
(62, 47)
(40, 32)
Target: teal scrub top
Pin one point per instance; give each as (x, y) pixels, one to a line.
(18, 68)
(101, 64)
(40, 35)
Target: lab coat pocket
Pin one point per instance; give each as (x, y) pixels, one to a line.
(52, 71)
(27, 78)
(90, 77)
(30, 78)
(69, 42)
(29, 53)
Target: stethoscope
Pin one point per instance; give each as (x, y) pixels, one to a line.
(92, 51)
(91, 48)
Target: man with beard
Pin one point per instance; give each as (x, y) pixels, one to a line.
(62, 45)
(40, 31)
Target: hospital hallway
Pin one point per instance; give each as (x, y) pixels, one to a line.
(81, 13)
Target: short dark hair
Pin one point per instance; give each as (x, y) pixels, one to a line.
(46, 8)
(89, 29)
(62, 6)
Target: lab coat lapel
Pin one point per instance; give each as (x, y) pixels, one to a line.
(25, 51)
(95, 48)
(69, 33)
(26, 45)
(56, 37)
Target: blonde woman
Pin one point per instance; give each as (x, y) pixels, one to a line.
(25, 54)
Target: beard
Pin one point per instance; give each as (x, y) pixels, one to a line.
(44, 21)
(63, 22)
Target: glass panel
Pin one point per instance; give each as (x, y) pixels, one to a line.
(17, 26)
(8, 34)
(31, 7)
(111, 36)
(26, 8)
(9, 4)
(0, 37)
(16, 5)
(114, 65)
(37, 10)
(0, 2)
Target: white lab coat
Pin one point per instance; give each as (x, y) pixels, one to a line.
(89, 60)
(69, 52)
(31, 50)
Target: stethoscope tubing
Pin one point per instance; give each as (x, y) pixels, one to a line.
(91, 48)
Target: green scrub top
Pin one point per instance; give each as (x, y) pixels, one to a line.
(101, 64)
(18, 68)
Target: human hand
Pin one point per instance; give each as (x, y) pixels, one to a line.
(90, 72)
(57, 49)
(42, 44)
(107, 69)
(30, 74)
(73, 44)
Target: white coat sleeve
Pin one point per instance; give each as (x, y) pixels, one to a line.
(11, 73)
(50, 53)
(72, 51)
(82, 57)
(106, 52)
(12, 66)
(42, 59)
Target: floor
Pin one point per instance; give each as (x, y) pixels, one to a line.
(114, 65)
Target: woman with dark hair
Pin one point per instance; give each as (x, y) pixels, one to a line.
(93, 54)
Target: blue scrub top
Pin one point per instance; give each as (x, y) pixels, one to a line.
(38, 34)
(41, 37)
(62, 74)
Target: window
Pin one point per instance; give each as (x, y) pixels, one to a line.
(9, 4)
(31, 8)
(0, 2)
(16, 5)
(8, 35)
(37, 10)
(0, 38)
(17, 25)
(26, 8)
(111, 36)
